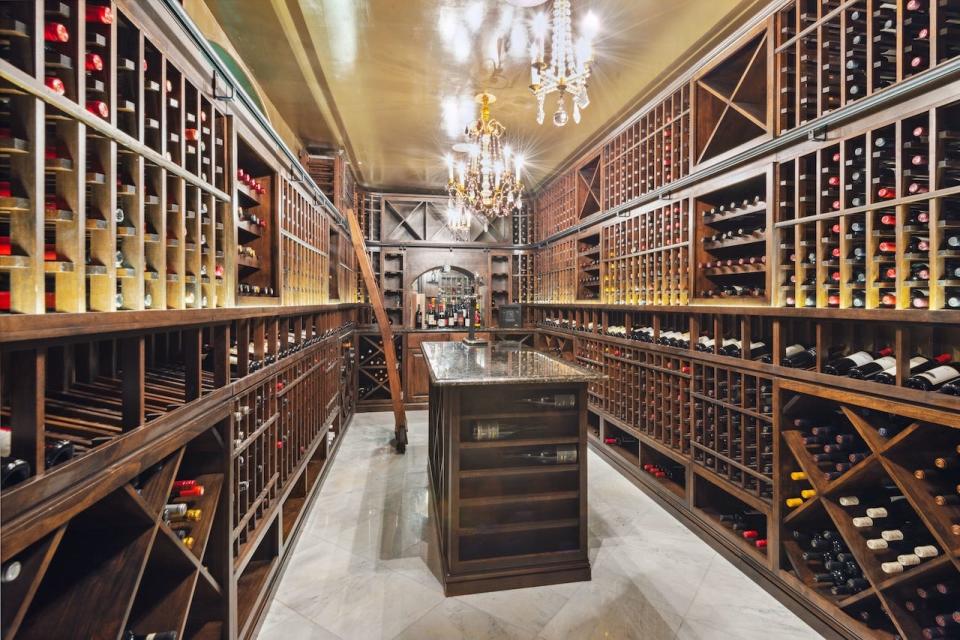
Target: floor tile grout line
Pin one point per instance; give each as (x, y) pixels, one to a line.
(309, 620)
(425, 614)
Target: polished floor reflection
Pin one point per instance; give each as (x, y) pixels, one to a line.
(360, 568)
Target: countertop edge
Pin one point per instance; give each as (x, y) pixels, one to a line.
(583, 375)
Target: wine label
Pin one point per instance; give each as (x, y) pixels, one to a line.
(939, 375)
(566, 455)
(863, 523)
(926, 551)
(886, 363)
(877, 512)
(486, 431)
(891, 535)
(860, 358)
(849, 501)
(794, 349)
(876, 544)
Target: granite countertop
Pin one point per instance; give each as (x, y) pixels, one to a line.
(454, 363)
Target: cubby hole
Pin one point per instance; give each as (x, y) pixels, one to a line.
(855, 64)
(588, 262)
(127, 80)
(256, 224)
(153, 96)
(818, 556)
(544, 539)
(621, 442)
(97, 566)
(731, 226)
(923, 600)
(256, 573)
(822, 437)
(741, 521)
(530, 511)
(17, 20)
(665, 470)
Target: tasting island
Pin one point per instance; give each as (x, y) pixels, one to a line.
(508, 468)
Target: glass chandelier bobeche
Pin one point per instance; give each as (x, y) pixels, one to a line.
(484, 177)
(569, 68)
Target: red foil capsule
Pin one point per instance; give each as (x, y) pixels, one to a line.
(56, 32)
(94, 62)
(55, 84)
(101, 14)
(98, 108)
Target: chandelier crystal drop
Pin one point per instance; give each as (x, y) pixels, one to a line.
(483, 173)
(568, 69)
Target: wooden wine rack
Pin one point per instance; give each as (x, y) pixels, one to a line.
(556, 273)
(841, 242)
(720, 430)
(645, 257)
(864, 47)
(121, 185)
(159, 399)
(649, 152)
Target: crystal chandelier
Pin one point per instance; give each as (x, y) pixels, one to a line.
(484, 176)
(569, 66)
(458, 217)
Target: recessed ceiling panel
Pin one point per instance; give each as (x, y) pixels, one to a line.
(393, 81)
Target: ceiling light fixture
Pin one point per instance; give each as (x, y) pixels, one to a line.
(484, 177)
(569, 67)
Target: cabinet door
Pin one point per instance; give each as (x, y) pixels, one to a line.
(418, 377)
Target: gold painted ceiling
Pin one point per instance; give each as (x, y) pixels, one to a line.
(390, 81)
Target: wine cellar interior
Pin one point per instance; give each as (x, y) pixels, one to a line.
(304, 333)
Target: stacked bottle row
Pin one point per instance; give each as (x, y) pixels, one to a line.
(833, 54)
(391, 279)
(522, 281)
(872, 507)
(731, 254)
(588, 267)
(556, 206)
(930, 361)
(733, 427)
(650, 152)
(646, 257)
(556, 272)
(882, 238)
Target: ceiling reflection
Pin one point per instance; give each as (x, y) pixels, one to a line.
(395, 80)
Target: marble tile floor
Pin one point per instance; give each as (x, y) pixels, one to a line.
(360, 567)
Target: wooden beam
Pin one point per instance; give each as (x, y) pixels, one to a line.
(386, 333)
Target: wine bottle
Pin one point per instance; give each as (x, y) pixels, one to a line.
(559, 400)
(13, 471)
(872, 368)
(842, 366)
(492, 430)
(800, 359)
(557, 455)
(918, 364)
(57, 452)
